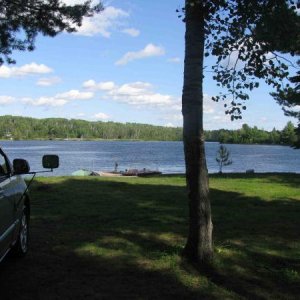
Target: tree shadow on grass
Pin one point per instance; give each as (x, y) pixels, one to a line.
(110, 239)
(257, 246)
(288, 179)
(59, 275)
(255, 275)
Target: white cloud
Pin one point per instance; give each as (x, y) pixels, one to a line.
(232, 60)
(139, 94)
(177, 105)
(48, 81)
(210, 106)
(214, 114)
(174, 60)
(133, 89)
(45, 101)
(28, 69)
(101, 116)
(215, 117)
(169, 125)
(131, 31)
(142, 95)
(102, 86)
(149, 51)
(102, 23)
(4, 100)
(59, 99)
(75, 95)
(173, 117)
(221, 121)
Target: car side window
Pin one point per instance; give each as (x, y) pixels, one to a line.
(3, 166)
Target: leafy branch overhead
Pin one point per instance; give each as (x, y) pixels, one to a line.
(22, 20)
(238, 35)
(289, 97)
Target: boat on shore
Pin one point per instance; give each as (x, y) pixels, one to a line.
(130, 172)
(140, 173)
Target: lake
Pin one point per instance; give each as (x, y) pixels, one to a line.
(166, 157)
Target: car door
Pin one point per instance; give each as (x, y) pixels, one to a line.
(7, 210)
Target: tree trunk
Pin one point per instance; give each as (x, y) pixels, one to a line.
(199, 243)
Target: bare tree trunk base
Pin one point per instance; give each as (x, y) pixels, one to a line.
(203, 265)
(194, 256)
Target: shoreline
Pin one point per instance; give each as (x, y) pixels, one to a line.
(130, 140)
(213, 175)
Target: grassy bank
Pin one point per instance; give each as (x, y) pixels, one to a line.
(112, 238)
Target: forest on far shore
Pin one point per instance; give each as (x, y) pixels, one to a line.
(25, 128)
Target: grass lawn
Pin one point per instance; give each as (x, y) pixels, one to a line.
(121, 238)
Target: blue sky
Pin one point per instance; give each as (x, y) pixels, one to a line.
(123, 65)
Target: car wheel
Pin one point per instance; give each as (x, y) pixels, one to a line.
(21, 246)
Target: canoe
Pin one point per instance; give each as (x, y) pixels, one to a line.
(140, 173)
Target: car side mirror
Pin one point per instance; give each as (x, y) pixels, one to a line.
(50, 161)
(21, 166)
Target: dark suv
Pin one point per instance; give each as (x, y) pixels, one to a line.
(15, 203)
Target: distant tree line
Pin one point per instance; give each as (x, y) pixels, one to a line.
(253, 135)
(24, 128)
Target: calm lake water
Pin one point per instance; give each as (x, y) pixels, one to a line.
(166, 157)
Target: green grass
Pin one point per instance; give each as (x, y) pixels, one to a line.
(121, 238)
